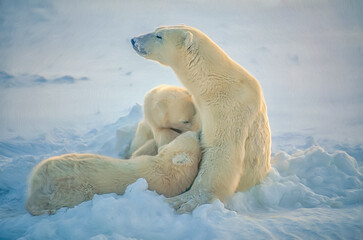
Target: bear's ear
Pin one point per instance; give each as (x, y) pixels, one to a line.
(188, 39)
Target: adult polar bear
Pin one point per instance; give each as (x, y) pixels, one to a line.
(235, 135)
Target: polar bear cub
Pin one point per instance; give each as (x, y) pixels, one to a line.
(235, 132)
(168, 112)
(67, 180)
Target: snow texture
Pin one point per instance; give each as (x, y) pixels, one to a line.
(68, 72)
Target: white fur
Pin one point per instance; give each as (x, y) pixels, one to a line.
(168, 111)
(235, 128)
(65, 181)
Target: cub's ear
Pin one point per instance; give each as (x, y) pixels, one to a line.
(188, 39)
(160, 110)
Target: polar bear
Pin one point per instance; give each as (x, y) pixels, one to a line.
(235, 136)
(168, 112)
(65, 181)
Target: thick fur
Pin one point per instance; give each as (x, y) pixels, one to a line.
(68, 180)
(235, 129)
(168, 112)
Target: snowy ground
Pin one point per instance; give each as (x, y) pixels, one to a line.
(70, 82)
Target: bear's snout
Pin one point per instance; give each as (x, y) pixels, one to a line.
(137, 46)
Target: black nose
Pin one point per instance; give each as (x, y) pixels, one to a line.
(133, 41)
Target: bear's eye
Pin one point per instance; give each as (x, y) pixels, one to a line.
(185, 122)
(158, 36)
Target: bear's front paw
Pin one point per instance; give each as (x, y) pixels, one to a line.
(188, 201)
(188, 206)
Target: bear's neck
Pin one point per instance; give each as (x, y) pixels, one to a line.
(208, 71)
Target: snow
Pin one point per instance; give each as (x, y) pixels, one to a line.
(71, 82)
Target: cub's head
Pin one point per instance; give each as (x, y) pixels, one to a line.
(171, 107)
(165, 45)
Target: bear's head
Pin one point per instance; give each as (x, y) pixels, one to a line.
(166, 45)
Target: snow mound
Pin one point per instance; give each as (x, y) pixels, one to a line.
(307, 179)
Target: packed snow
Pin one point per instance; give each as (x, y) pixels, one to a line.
(70, 82)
